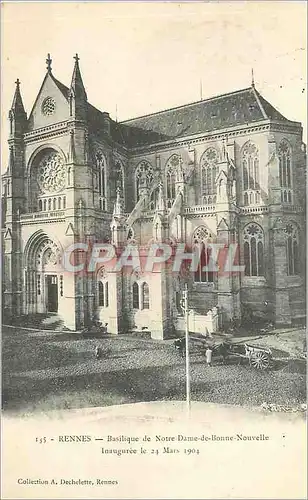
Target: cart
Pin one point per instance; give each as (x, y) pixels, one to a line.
(258, 357)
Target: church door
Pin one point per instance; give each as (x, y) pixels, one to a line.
(52, 293)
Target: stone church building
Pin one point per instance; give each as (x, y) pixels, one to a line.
(228, 169)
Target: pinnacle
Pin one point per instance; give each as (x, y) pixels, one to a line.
(17, 104)
(77, 83)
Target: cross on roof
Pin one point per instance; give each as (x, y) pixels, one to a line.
(76, 58)
(252, 78)
(48, 62)
(17, 82)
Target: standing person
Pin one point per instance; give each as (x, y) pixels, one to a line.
(98, 352)
(208, 356)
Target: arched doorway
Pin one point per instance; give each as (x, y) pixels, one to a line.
(48, 260)
(43, 275)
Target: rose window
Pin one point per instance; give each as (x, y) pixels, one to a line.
(48, 106)
(175, 161)
(51, 173)
(201, 235)
(211, 155)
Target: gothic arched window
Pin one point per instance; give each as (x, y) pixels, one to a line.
(284, 155)
(145, 296)
(208, 165)
(173, 173)
(106, 294)
(143, 176)
(135, 296)
(253, 250)
(292, 250)
(101, 294)
(69, 176)
(251, 174)
(202, 237)
(101, 168)
(130, 234)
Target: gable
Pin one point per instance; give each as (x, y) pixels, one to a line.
(222, 175)
(222, 226)
(51, 105)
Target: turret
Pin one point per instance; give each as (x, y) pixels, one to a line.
(14, 175)
(13, 204)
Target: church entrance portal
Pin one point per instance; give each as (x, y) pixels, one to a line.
(52, 293)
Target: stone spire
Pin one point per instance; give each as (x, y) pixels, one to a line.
(78, 95)
(77, 83)
(17, 104)
(17, 114)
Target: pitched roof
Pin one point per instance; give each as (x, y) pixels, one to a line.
(271, 112)
(236, 108)
(242, 107)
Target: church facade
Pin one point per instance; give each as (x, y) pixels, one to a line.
(229, 170)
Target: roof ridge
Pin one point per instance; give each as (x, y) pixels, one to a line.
(257, 94)
(188, 104)
(59, 85)
(265, 102)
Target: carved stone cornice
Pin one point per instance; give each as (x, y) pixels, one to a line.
(289, 127)
(48, 132)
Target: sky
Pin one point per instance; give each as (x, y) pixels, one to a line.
(138, 58)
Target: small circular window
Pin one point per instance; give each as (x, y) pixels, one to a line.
(48, 106)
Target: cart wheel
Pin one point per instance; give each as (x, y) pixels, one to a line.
(259, 360)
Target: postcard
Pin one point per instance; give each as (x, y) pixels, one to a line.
(153, 250)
